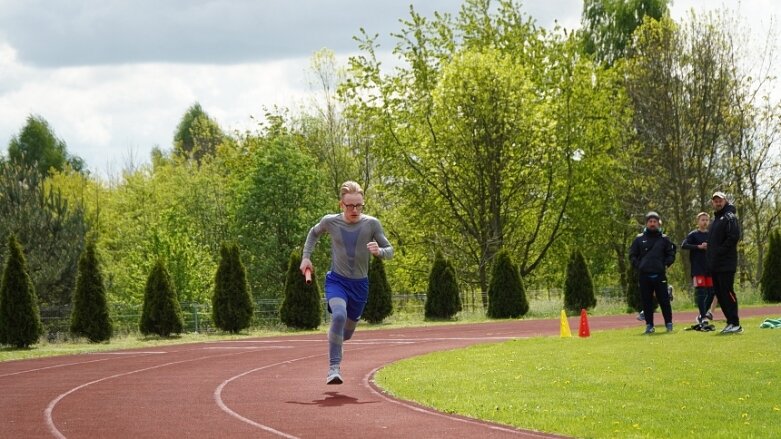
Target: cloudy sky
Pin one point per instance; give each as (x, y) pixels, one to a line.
(114, 77)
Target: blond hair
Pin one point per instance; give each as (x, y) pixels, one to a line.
(705, 214)
(349, 187)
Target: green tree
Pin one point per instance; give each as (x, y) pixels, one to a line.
(37, 146)
(278, 203)
(197, 134)
(20, 320)
(771, 274)
(443, 298)
(301, 308)
(90, 316)
(506, 295)
(579, 287)
(161, 314)
(50, 227)
(231, 303)
(607, 25)
(380, 303)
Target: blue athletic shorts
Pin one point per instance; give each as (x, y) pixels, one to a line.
(354, 291)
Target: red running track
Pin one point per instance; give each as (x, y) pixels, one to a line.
(265, 387)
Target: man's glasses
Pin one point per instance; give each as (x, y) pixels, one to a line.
(357, 207)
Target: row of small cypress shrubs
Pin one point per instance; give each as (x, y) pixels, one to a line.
(20, 321)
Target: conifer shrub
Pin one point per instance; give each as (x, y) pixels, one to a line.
(231, 302)
(161, 314)
(90, 317)
(20, 317)
(380, 303)
(771, 270)
(579, 286)
(301, 307)
(443, 298)
(506, 295)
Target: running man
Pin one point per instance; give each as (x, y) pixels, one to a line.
(354, 237)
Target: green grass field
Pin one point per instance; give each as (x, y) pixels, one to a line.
(614, 384)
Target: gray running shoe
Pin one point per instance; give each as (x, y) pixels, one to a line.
(709, 315)
(732, 329)
(670, 292)
(334, 375)
(669, 327)
(649, 329)
(641, 316)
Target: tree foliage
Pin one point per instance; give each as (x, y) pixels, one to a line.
(301, 308)
(197, 134)
(506, 294)
(608, 25)
(37, 146)
(380, 303)
(161, 314)
(579, 287)
(90, 316)
(50, 227)
(443, 298)
(20, 320)
(232, 302)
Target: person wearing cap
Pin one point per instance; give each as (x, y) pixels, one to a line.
(651, 253)
(722, 257)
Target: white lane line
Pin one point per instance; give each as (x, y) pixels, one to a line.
(47, 414)
(246, 347)
(368, 380)
(56, 366)
(131, 353)
(306, 340)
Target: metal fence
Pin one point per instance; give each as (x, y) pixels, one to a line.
(197, 316)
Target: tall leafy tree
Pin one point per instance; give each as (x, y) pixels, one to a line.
(50, 227)
(281, 198)
(37, 146)
(231, 303)
(608, 25)
(90, 316)
(161, 314)
(197, 134)
(20, 320)
(466, 128)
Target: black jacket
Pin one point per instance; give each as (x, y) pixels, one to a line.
(652, 252)
(723, 240)
(699, 263)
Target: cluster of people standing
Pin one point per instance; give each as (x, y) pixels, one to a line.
(713, 255)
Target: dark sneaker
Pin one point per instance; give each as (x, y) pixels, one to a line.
(670, 292)
(709, 315)
(641, 316)
(334, 375)
(669, 327)
(732, 329)
(649, 329)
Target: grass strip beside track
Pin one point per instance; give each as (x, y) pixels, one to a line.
(616, 383)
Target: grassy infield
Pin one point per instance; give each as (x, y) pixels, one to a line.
(613, 384)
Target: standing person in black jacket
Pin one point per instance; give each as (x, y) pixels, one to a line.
(651, 253)
(722, 255)
(696, 243)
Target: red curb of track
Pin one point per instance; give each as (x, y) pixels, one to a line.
(269, 387)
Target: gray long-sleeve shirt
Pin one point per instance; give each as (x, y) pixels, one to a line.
(349, 255)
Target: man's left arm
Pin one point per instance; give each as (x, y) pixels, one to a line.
(386, 249)
(669, 253)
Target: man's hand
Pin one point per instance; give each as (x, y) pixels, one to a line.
(374, 248)
(306, 263)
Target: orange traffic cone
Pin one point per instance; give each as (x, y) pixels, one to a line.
(565, 332)
(584, 331)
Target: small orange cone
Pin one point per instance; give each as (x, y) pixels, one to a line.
(584, 331)
(565, 332)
